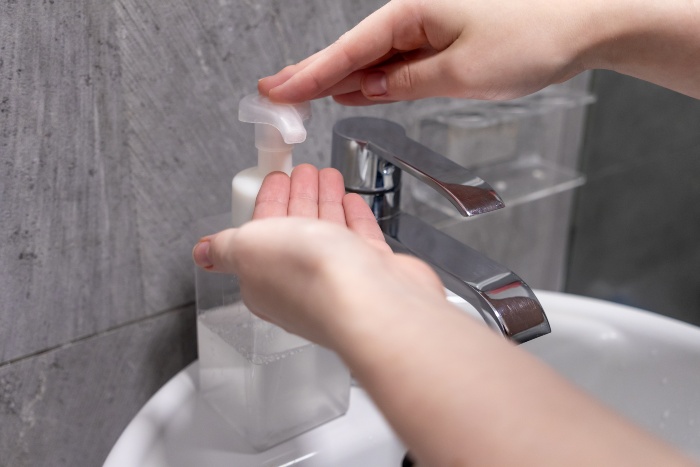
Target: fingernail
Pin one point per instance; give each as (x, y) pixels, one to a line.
(283, 94)
(374, 84)
(200, 253)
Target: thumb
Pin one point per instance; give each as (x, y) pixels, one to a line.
(429, 76)
(215, 253)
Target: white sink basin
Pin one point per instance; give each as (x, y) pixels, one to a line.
(645, 366)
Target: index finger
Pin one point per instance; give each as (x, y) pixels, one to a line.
(273, 196)
(391, 27)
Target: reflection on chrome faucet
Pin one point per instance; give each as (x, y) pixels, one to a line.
(371, 154)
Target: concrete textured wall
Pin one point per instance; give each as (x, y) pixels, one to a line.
(118, 129)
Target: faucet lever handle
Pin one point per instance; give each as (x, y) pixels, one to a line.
(368, 138)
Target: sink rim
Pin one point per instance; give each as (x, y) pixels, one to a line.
(144, 430)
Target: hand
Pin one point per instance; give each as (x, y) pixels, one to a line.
(457, 48)
(309, 252)
(412, 49)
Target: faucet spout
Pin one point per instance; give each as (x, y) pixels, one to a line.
(371, 154)
(504, 301)
(382, 141)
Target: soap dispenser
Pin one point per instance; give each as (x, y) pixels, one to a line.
(268, 384)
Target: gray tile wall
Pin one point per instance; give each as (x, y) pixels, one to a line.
(68, 250)
(637, 224)
(68, 406)
(118, 129)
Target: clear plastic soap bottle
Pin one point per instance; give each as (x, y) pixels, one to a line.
(269, 384)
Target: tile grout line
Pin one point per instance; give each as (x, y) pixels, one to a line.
(93, 335)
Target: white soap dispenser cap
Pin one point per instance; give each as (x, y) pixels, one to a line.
(288, 119)
(277, 128)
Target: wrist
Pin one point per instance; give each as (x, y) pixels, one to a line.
(379, 300)
(648, 39)
(608, 30)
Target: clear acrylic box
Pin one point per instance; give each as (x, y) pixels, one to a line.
(513, 145)
(268, 384)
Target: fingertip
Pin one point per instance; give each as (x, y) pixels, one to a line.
(275, 186)
(331, 175)
(200, 253)
(305, 167)
(283, 94)
(305, 176)
(267, 83)
(214, 252)
(374, 84)
(305, 84)
(264, 86)
(275, 176)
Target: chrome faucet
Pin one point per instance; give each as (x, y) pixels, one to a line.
(371, 153)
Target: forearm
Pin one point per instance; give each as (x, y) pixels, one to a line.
(657, 41)
(459, 395)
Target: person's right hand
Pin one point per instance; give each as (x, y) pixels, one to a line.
(412, 49)
(314, 260)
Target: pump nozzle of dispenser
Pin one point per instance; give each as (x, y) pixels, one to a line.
(278, 127)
